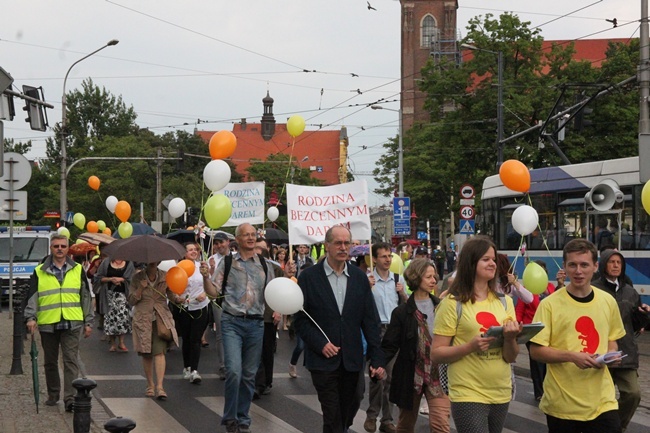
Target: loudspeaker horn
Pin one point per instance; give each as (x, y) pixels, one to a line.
(603, 196)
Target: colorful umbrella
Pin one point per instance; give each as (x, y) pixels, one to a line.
(81, 249)
(360, 250)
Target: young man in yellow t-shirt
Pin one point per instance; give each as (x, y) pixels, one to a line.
(582, 322)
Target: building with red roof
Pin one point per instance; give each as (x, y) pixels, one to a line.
(323, 152)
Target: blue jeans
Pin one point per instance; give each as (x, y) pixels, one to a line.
(242, 346)
(297, 351)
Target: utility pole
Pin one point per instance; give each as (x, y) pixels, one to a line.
(644, 95)
(159, 164)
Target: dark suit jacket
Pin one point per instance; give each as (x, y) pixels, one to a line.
(344, 330)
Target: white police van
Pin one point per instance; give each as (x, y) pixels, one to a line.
(30, 245)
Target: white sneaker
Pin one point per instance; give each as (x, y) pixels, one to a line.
(292, 371)
(194, 377)
(424, 408)
(187, 372)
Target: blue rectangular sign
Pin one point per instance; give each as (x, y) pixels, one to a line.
(401, 216)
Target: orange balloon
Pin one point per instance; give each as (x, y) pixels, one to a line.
(222, 144)
(176, 280)
(107, 231)
(515, 175)
(123, 210)
(92, 227)
(94, 182)
(188, 266)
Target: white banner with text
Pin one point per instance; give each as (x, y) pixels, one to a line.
(247, 200)
(312, 210)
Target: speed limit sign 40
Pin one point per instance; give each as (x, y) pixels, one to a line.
(467, 212)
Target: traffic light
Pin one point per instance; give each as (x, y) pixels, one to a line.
(581, 118)
(35, 114)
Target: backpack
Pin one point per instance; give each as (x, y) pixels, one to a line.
(226, 270)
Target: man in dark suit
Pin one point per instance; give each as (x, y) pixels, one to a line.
(338, 297)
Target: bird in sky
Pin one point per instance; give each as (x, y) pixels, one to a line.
(353, 74)
(614, 22)
(370, 8)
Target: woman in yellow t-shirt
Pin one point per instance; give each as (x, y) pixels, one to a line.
(480, 383)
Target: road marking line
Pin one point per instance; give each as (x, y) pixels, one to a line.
(147, 414)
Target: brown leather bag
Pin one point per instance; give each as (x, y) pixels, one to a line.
(163, 332)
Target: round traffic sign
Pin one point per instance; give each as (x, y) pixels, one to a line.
(467, 212)
(467, 191)
(17, 171)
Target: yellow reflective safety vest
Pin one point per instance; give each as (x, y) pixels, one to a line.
(56, 301)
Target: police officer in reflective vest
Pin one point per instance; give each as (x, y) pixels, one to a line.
(59, 303)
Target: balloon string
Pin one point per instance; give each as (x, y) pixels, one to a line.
(286, 176)
(539, 227)
(312, 319)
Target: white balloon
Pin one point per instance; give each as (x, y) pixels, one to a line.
(176, 207)
(166, 265)
(284, 296)
(525, 220)
(111, 202)
(273, 213)
(216, 174)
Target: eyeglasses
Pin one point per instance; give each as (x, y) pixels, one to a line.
(247, 235)
(59, 247)
(339, 244)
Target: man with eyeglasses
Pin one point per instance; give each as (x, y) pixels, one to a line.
(338, 297)
(59, 305)
(388, 291)
(242, 324)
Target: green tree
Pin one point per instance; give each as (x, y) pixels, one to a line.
(458, 144)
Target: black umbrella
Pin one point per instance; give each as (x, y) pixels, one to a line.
(276, 236)
(145, 249)
(34, 355)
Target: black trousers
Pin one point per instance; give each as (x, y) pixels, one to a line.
(264, 376)
(338, 397)
(607, 422)
(190, 326)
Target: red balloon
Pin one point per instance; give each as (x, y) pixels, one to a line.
(176, 280)
(188, 266)
(515, 175)
(222, 144)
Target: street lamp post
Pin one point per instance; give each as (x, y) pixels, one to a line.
(499, 99)
(400, 149)
(64, 135)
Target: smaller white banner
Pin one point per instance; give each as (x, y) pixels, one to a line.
(247, 200)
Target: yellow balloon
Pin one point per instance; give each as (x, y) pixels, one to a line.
(397, 265)
(295, 125)
(125, 230)
(79, 220)
(645, 197)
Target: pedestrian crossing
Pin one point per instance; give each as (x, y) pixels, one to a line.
(283, 412)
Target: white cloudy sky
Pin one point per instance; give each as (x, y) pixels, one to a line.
(179, 61)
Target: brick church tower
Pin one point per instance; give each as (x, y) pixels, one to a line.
(428, 31)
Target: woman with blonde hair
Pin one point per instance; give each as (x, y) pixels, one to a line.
(409, 336)
(480, 382)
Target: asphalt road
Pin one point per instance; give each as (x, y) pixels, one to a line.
(292, 405)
